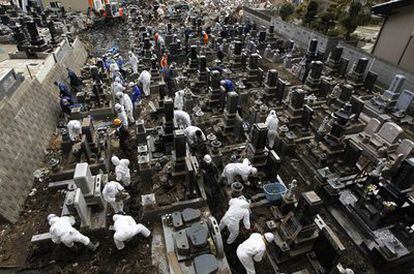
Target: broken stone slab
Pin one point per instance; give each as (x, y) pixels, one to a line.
(181, 243)
(205, 264)
(190, 214)
(198, 235)
(40, 238)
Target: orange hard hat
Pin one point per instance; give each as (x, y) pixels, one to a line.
(117, 122)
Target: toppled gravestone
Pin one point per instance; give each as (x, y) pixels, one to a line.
(205, 264)
(198, 235)
(190, 214)
(181, 243)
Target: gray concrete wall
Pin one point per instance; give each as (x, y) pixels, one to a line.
(73, 5)
(302, 36)
(385, 70)
(395, 37)
(29, 118)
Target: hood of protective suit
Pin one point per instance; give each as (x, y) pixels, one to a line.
(118, 107)
(272, 122)
(207, 158)
(125, 162)
(116, 217)
(119, 95)
(115, 160)
(269, 237)
(272, 113)
(53, 220)
(246, 162)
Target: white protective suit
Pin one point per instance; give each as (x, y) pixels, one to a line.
(74, 128)
(182, 118)
(160, 13)
(242, 169)
(161, 41)
(122, 170)
(112, 68)
(126, 228)
(238, 210)
(253, 249)
(109, 193)
(190, 134)
(126, 102)
(117, 86)
(145, 79)
(133, 61)
(272, 123)
(179, 100)
(62, 231)
(120, 111)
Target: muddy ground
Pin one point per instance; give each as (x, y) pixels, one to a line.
(17, 255)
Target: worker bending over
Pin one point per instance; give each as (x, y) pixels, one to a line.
(253, 249)
(115, 194)
(126, 228)
(62, 231)
(244, 170)
(122, 171)
(126, 102)
(238, 210)
(75, 130)
(194, 135)
(121, 113)
(182, 118)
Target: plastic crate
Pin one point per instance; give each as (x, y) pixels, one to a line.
(274, 191)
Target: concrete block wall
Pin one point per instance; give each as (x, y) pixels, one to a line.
(302, 36)
(29, 118)
(299, 34)
(385, 70)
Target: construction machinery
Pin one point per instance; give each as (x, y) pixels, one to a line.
(107, 8)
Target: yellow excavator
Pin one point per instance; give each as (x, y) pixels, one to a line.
(107, 8)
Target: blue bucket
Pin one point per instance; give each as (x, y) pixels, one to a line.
(274, 191)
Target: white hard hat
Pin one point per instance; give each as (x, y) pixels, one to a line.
(119, 94)
(50, 216)
(118, 107)
(254, 171)
(131, 84)
(207, 158)
(269, 237)
(222, 82)
(115, 160)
